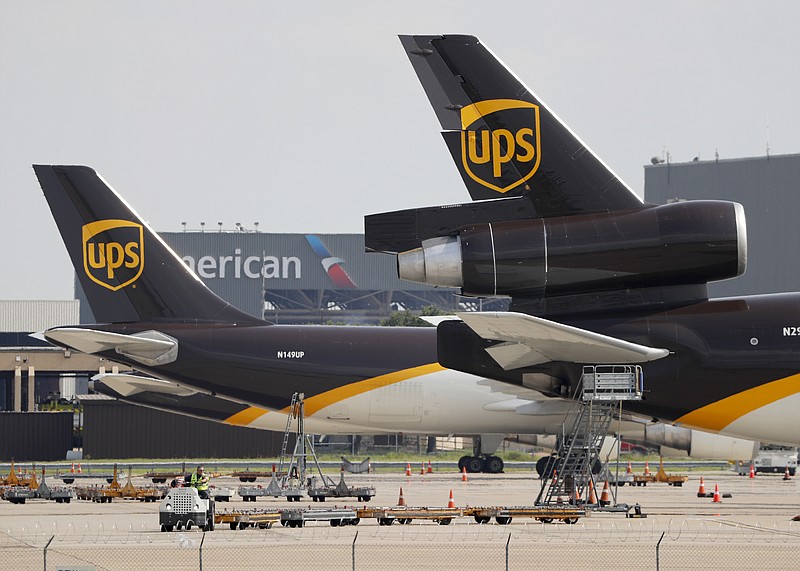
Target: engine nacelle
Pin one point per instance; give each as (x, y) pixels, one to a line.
(700, 444)
(680, 243)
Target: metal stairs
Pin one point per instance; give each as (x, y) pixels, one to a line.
(603, 387)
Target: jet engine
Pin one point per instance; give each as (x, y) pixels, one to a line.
(679, 243)
(700, 444)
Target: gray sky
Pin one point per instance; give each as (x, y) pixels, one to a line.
(305, 116)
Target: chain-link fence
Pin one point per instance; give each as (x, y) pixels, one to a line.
(634, 545)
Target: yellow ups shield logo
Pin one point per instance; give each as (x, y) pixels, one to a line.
(113, 252)
(501, 158)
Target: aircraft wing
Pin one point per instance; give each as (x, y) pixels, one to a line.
(128, 385)
(147, 347)
(528, 340)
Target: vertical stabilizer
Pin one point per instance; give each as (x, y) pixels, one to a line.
(505, 142)
(128, 273)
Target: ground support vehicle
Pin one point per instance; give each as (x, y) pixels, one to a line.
(771, 458)
(184, 508)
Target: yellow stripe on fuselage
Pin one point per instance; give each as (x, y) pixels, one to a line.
(717, 415)
(318, 402)
(246, 416)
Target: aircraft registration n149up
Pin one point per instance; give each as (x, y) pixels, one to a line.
(595, 277)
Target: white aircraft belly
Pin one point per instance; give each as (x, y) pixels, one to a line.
(443, 402)
(777, 422)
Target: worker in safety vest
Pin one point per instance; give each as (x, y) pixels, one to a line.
(199, 480)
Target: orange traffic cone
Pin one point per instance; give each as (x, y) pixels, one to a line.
(401, 501)
(79, 467)
(451, 502)
(752, 471)
(464, 474)
(786, 475)
(576, 495)
(555, 477)
(717, 499)
(701, 491)
(592, 495)
(605, 495)
(408, 469)
(422, 469)
(629, 470)
(646, 468)
(430, 469)
(72, 469)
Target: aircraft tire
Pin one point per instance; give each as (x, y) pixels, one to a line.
(493, 465)
(474, 465)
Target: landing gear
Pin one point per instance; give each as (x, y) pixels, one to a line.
(546, 464)
(477, 464)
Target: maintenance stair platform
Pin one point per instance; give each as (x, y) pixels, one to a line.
(603, 388)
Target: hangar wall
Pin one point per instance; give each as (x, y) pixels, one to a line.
(768, 188)
(112, 429)
(35, 436)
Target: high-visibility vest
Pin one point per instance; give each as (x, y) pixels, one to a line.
(201, 483)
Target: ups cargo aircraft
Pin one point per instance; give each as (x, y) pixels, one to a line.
(206, 358)
(595, 275)
(161, 320)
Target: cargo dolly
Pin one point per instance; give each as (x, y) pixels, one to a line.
(544, 514)
(405, 515)
(341, 490)
(297, 517)
(242, 520)
(59, 494)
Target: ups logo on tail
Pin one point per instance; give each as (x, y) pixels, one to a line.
(113, 252)
(500, 142)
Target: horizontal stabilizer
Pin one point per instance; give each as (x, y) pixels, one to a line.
(146, 347)
(529, 341)
(437, 319)
(127, 385)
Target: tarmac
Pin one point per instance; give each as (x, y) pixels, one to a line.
(750, 529)
(766, 500)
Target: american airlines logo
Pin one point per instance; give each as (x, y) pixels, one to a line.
(332, 265)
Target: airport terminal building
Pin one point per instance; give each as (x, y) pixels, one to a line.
(329, 278)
